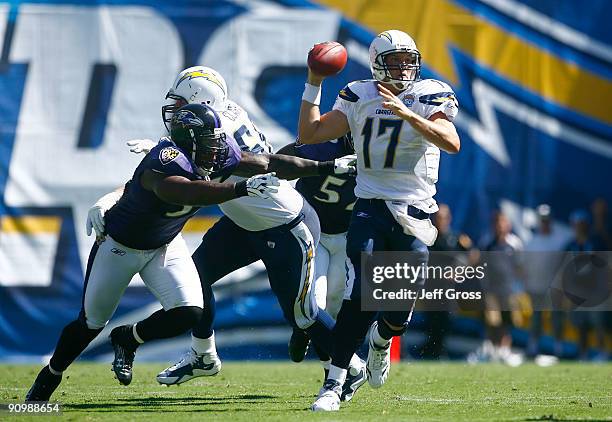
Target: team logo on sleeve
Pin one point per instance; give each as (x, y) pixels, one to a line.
(168, 154)
(348, 95)
(438, 98)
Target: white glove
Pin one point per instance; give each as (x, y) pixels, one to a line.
(262, 185)
(141, 145)
(346, 164)
(95, 216)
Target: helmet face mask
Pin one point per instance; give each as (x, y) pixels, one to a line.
(196, 129)
(196, 85)
(395, 59)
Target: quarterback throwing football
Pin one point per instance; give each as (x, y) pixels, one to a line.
(399, 124)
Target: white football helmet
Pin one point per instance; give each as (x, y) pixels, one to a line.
(390, 42)
(196, 85)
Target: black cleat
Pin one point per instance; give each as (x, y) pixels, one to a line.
(298, 345)
(124, 357)
(44, 385)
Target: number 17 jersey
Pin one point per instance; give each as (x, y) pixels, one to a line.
(394, 161)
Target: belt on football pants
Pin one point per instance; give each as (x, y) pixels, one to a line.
(288, 226)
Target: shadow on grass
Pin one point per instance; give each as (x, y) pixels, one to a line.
(181, 404)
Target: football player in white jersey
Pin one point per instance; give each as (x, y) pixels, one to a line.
(399, 125)
(282, 231)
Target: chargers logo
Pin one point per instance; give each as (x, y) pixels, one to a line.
(168, 154)
(206, 75)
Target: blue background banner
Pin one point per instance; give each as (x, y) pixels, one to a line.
(79, 78)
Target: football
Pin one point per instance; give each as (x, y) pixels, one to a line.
(327, 58)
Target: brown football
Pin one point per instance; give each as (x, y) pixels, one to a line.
(327, 58)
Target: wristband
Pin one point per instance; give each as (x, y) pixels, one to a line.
(312, 93)
(325, 168)
(240, 188)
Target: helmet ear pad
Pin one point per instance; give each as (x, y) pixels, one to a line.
(196, 130)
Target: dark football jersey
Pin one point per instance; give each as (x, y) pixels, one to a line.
(332, 196)
(141, 220)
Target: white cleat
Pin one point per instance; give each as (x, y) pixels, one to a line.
(190, 366)
(379, 362)
(329, 397)
(356, 376)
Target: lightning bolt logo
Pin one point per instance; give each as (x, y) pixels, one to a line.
(197, 74)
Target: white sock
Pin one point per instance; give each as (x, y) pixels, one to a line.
(326, 364)
(204, 345)
(378, 339)
(355, 362)
(337, 374)
(136, 336)
(53, 371)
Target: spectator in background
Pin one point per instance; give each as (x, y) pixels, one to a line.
(583, 241)
(499, 288)
(437, 322)
(541, 262)
(601, 229)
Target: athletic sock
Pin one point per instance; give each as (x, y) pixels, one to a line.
(379, 340)
(204, 345)
(337, 374)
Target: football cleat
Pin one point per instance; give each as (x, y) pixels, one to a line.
(355, 378)
(379, 361)
(329, 397)
(44, 385)
(124, 359)
(298, 345)
(191, 365)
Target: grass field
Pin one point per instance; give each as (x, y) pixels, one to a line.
(284, 391)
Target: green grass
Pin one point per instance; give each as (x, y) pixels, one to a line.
(283, 391)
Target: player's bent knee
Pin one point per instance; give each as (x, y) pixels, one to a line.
(93, 323)
(390, 327)
(186, 317)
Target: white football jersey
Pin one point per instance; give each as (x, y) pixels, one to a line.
(394, 161)
(252, 213)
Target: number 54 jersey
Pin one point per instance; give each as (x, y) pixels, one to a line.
(394, 161)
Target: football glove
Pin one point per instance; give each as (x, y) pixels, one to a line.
(346, 164)
(141, 145)
(95, 216)
(259, 186)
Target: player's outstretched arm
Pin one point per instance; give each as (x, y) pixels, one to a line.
(312, 127)
(182, 191)
(289, 167)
